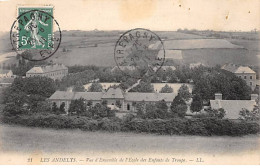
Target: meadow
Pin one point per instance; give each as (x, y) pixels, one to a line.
(97, 47)
(25, 140)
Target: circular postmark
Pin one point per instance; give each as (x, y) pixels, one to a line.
(35, 34)
(136, 53)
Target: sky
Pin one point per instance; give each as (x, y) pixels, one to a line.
(219, 15)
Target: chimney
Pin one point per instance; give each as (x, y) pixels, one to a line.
(254, 96)
(218, 96)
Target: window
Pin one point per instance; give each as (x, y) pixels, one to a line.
(251, 77)
(128, 106)
(244, 77)
(250, 83)
(239, 76)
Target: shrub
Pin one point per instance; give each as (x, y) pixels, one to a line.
(109, 125)
(199, 126)
(156, 125)
(175, 126)
(195, 127)
(91, 125)
(138, 125)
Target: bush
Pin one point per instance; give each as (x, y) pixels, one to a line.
(195, 127)
(156, 126)
(138, 125)
(175, 126)
(109, 125)
(91, 125)
(199, 126)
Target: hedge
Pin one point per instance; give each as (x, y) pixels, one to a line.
(177, 126)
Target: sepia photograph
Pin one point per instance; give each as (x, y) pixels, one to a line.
(128, 82)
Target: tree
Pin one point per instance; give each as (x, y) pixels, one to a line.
(95, 87)
(216, 113)
(157, 110)
(140, 108)
(90, 103)
(253, 115)
(144, 86)
(15, 102)
(196, 104)
(178, 106)
(13, 110)
(79, 87)
(208, 81)
(62, 107)
(28, 94)
(104, 102)
(151, 111)
(34, 101)
(162, 106)
(43, 107)
(54, 107)
(184, 92)
(37, 85)
(101, 111)
(118, 103)
(78, 106)
(166, 89)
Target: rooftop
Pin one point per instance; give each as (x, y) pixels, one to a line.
(113, 94)
(164, 68)
(149, 97)
(244, 69)
(130, 68)
(47, 68)
(233, 107)
(4, 71)
(63, 95)
(237, 68)
(230, 67)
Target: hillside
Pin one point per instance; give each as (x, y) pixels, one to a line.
(97, 47)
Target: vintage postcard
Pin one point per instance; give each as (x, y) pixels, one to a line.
(129, 82)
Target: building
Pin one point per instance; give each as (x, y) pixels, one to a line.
(124, 68)
(6, 73)
(233, 107)
(164, 68)
(243, 72)
(56, 71)
(196, 65)
(157, 86)
(132, 68)
(127, 100)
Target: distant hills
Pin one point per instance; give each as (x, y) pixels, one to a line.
(209, 47)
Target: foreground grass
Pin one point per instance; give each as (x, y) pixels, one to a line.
(24, 139)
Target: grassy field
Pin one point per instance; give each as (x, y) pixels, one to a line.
(97, 47)
(82, 50)
(24, 139)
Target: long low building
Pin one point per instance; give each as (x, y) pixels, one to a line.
(55, 71)
(233, 107)
(127, 100)
(157, 86)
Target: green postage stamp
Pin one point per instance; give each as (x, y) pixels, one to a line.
(35, 28)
